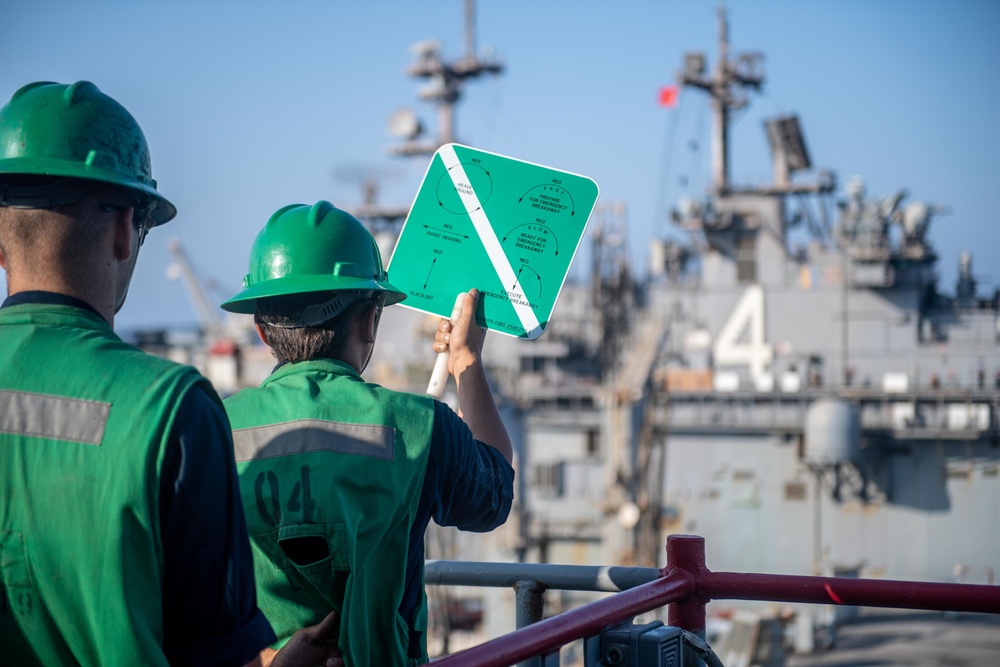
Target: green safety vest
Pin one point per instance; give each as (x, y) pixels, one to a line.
(331, 470)
(84, 421)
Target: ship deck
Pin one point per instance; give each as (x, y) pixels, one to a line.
(885, 638)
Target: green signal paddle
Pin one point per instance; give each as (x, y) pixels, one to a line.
(507, 227)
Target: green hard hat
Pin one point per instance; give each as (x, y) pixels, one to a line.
(75, 131)
(316, 248)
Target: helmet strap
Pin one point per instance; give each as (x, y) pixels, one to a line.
(380, 305)
(318, 313)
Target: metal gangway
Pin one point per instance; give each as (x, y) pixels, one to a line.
(685, 586)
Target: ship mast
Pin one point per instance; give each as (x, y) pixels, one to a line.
(445, 82)
(731, 224)
(726, 88)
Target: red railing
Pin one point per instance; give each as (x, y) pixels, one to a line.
(687, 585)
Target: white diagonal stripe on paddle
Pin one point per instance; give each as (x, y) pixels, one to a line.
(490, 242)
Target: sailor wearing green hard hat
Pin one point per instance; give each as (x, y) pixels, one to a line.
(60, 144)
(340, 477)
(118, 493)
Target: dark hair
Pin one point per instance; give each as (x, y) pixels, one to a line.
(310, 342)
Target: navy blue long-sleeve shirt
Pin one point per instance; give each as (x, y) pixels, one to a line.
(468, 484)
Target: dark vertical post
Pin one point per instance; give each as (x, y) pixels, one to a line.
(687, 552)
(529, 606)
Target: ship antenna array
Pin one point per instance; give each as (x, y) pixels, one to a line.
(444, 88)
(727, 88)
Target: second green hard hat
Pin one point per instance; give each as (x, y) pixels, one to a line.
(314, 248)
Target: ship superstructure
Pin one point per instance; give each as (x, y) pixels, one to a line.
(808, 408)
(790, 383)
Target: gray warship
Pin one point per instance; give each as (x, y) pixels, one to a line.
(791, 382)
(803, 406)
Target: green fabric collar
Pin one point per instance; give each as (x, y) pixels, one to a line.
(321, 365)
(68, 307)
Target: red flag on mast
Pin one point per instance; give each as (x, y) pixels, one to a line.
(668, 96)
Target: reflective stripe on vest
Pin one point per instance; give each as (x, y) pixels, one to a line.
(313, 435)
(56, 417)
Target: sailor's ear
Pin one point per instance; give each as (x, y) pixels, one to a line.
(123, 234)
(369, 323)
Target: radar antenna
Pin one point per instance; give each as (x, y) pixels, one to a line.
(444, 87)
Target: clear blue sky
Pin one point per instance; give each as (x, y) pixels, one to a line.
(252, 105)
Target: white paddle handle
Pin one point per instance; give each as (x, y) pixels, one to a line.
(439, 376)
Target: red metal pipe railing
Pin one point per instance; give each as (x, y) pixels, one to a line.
(852, 592)
(687, 553)
(687, 585)
(553, 633)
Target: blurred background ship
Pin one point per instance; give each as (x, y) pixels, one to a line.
(790, 383)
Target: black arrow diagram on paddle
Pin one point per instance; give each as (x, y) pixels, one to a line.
(429, 271)
(548, 231)
(445, 231)
(538, 277)
(572, 210)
